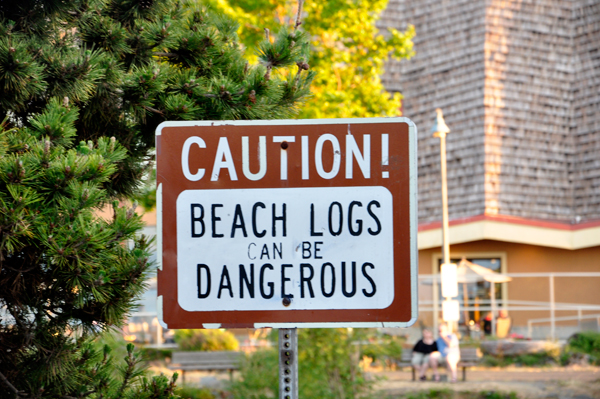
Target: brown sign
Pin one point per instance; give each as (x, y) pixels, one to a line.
(299, 223)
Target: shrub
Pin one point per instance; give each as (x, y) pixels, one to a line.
(151, 354)
(259, 378)
(527, 359)
(328, 362)
(195, 393)
(384, 349)
(449, 394)
(206, 340)
(496, 395)
(583, 343)
(432, 394)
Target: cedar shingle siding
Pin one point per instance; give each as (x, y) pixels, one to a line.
(519, 84)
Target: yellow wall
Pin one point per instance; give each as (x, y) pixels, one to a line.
(523, 258)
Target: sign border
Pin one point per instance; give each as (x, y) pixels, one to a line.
(413, 213)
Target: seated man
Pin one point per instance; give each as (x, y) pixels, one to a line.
(422, 350)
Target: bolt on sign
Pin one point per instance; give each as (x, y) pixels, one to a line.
(287, 223)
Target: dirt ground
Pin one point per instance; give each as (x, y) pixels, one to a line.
(574, 382)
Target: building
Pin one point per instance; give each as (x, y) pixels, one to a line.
(519, 84)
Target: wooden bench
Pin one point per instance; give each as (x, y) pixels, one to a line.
(205, 361)
(469, 357)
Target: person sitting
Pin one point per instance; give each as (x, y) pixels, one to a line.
(503, 324)
(487, 324)
(448, 352)
(421, 353)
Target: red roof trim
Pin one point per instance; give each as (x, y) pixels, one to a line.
(513, 220)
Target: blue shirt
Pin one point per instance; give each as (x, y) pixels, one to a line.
(446, 349)
(442, 346)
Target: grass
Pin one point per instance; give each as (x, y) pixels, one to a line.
(539, 359)
(187, 392)
(450, 394)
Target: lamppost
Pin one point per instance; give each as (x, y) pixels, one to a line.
(450, 311)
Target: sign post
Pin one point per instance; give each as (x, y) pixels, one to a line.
(288, 363)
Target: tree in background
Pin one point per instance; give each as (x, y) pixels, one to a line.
(206, 340)
(329, 365)
(348, 51)
(83, 85)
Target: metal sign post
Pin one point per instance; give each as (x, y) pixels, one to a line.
(288, 363)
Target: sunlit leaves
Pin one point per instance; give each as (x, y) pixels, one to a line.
(348, 51)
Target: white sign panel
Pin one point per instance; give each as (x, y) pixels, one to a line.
(323, 248)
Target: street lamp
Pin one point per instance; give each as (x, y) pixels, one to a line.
(440, 129)
(448, 271)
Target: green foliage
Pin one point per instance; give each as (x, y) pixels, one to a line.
(497, 395)
(70, 276)
(114, 373)
(146, 196)
(206, 340)
(450, 394)
(258, 376)
(129, 65)
(195, 393)
(384, 349)
(432, 394)
(348, 51)
(152, 354)
(72, 74)
(328, 366)
(329, 363)
(583, 343)
(544, 358)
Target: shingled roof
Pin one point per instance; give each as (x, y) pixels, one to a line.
(519, 84)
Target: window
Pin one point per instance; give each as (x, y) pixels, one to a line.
(474, 298)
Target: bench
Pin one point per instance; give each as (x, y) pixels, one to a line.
(469, 357)
(205, 361)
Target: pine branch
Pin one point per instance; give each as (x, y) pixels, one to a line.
(269, 66)
(161, 54)
(154, 110)
(9, 385)
(302, 66)
(130, 360)
(299, 14)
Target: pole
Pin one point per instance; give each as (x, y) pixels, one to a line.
(552, 308)
(440, 129)
(493, 298)
(159, 333)
(466, 303)
(445, 240)
(436, 302)
(288, 363)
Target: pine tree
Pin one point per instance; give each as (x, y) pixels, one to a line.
(83, 85)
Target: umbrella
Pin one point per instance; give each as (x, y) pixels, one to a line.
(468, 272)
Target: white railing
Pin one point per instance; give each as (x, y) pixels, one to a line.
(551, 306)
(579, 317)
